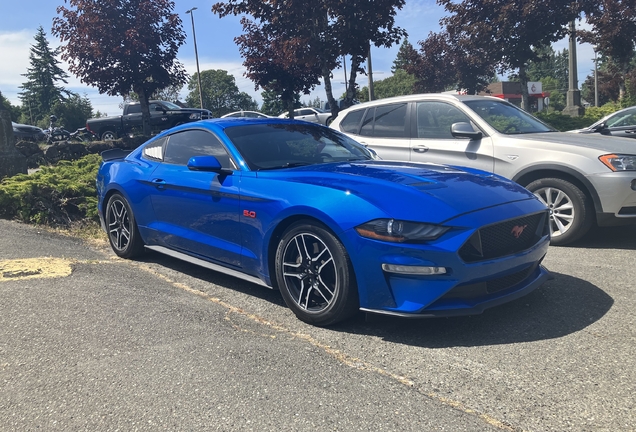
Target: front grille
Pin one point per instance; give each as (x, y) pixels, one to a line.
(505, 238)
(482, 289)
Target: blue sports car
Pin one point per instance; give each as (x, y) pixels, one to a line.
(304, 209)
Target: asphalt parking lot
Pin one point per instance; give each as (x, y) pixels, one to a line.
(92, 342)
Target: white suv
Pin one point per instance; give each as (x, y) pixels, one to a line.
(583, 179)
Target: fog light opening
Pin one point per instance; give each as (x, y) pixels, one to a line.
(414, 270)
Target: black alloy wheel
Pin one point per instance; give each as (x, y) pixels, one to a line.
(315, 276)
(121, 226)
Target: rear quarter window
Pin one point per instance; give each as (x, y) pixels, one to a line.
(351, 122)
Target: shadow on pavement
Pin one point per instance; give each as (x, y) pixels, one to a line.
(621, 237)
(560, 307)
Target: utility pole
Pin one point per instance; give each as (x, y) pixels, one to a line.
(573, 107)
(196, 54)
(370, 74)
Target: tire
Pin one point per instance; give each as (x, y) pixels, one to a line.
(315, 275)
(123, 233)
(329, 120)
(571, 212)
(109, 136)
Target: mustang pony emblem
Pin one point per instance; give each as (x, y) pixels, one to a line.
(517, 230)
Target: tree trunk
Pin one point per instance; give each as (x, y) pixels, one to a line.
(288, 100)
(351, 87)
(333, 104)
(525, 97)
(145, 110)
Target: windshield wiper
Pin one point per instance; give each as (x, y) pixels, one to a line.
(287, 165)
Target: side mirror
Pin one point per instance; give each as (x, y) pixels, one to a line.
(599, 127)
(206, 163)
(465, 130)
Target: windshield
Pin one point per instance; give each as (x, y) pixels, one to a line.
(507, 118)
(171, 106)
(622, 118)
(286, 145)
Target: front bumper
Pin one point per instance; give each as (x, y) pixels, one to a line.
(466, 288)
(617, 196)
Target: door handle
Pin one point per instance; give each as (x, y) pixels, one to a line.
(420, 149)
(630, 131)
(159, 183)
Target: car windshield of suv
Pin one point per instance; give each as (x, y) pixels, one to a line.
(275, 146)
(507, 118)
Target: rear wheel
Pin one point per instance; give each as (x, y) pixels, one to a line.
(109, 136)
(123, 233)
(571, 213)
(315, 276)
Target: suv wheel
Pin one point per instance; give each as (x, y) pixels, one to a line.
(571, 214)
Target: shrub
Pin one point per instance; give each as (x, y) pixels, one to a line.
(564, 122)
(58, 195)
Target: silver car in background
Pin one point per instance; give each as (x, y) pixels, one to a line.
(621, 123)
(310, 114)
(583, 179)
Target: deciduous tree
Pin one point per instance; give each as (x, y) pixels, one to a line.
(121, 46)
(613, 33)
(296, 37)
(73, 112)
(401, 83)
(221, 95)
(508, 32)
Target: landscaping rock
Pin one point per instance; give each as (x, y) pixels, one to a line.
(12, 162)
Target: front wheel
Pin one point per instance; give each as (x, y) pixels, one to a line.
(123, 233)
(571, 213)
(315, 275)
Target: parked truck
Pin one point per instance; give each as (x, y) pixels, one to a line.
(163, 115)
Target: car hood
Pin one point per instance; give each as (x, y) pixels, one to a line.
(193, 110)
(406, 189)
(603, 143)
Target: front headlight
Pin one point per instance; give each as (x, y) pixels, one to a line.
(619, 162)
(195, 116)
(400, 231)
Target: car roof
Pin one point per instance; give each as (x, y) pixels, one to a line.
(423, 96)
(226, 122)
(242, 111)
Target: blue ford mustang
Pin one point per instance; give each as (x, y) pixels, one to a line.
(304, 209)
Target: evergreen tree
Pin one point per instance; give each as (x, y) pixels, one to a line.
(404, 56)
(273, 104)
(42, 89)
(5, 104)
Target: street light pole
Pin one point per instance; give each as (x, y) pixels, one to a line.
(196, 54)
(595, 79)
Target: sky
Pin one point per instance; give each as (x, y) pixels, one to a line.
(215, 45)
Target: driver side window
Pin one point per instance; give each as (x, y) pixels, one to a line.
(182, 146)
(434, 119)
